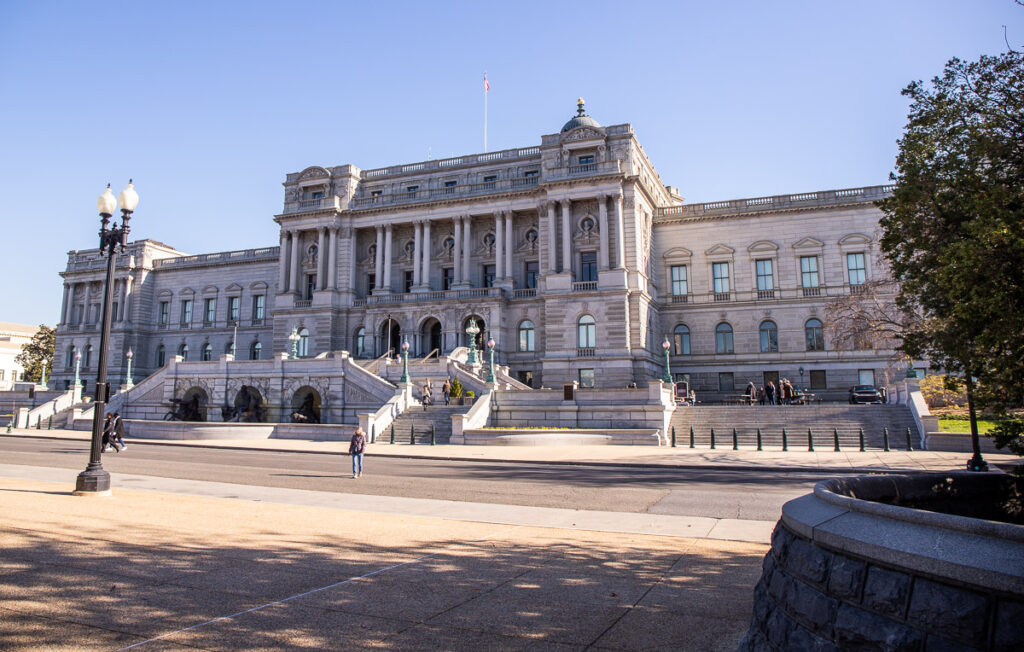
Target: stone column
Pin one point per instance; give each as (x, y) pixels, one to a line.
(378, 268)
(467, 248)
(128, 294)
(552, 240)
(64, 307)
(425, 256)
(602, 225)
(293, 284)
(620, 233)
(353, 253)
(321, 258)
(417, 251)
(508, 245)
(331, 282)
(387, 258)
(282, 264)
(499, 247)
(457, 251)
(566, 237)
(85, 306)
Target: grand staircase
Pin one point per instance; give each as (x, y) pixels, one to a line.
(438, 416)
(821, 420)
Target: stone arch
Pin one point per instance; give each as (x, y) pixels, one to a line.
(306, 402)
(195, 400)
(248, 406)
(431, 334)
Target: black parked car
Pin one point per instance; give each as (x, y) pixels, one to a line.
(865, 394)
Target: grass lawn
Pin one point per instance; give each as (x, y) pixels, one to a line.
(958, 424)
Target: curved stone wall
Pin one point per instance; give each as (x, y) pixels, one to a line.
(846, 572)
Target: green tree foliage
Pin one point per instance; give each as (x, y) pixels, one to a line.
(953, 231)
(456, 388)
(36, 351)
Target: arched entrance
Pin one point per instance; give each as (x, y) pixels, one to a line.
(430, 336)
(248, 406)
(192, 406)
(305, 405)
(390, 338)
(480, 337)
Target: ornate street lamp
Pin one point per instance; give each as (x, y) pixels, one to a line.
(405, 362)
(667, 378)
(94, 479)
(490, 367)
(472, 331)
(42, 377)
(78, 368)
(801, 379)
(128, 376)
(294, 338)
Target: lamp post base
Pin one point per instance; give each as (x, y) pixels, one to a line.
(93, 482)
(977, 464)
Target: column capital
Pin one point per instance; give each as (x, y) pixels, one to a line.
(388, 227)
(378, 227)
(565, 202)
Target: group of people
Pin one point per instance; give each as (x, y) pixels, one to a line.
(428, 396)
(113, 433)
(769, 394)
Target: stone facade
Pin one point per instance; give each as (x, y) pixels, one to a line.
(563, 253)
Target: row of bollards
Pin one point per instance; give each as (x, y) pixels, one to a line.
(810, 439)
(412, 435)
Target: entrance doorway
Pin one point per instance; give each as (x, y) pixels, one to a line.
(390, 338)
(430, 336)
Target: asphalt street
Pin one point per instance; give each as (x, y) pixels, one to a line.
(735, 494)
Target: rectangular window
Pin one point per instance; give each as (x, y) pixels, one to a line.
(257, 308)
(408, 281)
(489, 272)
(818, 380)
(588, 266)
(412, 190)
(490, 180)
(448, 276)
(209, 311)
(679, 286)
(525, 377)
(866, 377)
(531, 174)
(809, 271)
(186, 312)
(720, 274)
(310, 286)
(318, 194)
(587, 160)
(532, 269)
(449, 187)
(855, 268)
(233, 303)
(164, 314)
(765, 277)
(371, 283)
(586, 377)
(725, 382)
(376, 193)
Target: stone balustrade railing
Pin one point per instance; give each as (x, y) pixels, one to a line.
(448, 163)
(244, 255)
(775, 202)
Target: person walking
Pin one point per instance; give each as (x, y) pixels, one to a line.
(108, 432)
(427, 398)
(118, 438)
(761, 395)
(356, 447)
(769, 390)
(446, 391)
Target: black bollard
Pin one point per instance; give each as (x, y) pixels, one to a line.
(412, 434)
(433, 435)
(810, 441)
(785, 440)
(373, 433)
(910, 445)
(39, 424)
(835, 436)
(759, 440)
(691, 436)
(712, 438)
(735, 441)
(49, 423)
(860, 436)
(885, 439)
(673, 436)
(392, 433)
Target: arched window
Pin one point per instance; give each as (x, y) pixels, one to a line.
(361, 342)
(303, 342)
(723, 338)
(255, 350)
(769, 337)
(206, 353)
(814, 335)
(183, 351)
(526, 342)
(586, 332)
(70, 361)
(87, 357)
(681, 339)
(161, 356)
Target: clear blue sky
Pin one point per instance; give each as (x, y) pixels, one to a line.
(209, 104)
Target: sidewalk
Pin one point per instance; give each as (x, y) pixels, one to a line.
(822, 460)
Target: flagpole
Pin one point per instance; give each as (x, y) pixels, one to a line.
(485, 111)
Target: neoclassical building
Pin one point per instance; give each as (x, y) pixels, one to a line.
(572, 255)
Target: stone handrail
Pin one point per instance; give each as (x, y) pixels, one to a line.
(476, 417)
(591, 169)
(450, 192)
(368, 380)
(373, 424)
(448, 163)
(244, 255)
(775, 202)
(26, 417)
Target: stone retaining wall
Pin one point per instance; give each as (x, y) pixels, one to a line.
(839, 578)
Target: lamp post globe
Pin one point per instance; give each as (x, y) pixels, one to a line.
(94, 480)
(667, 378)
(490, 362)
(405, 361)
(472, 330)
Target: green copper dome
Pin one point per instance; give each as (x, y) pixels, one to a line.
(581, 119)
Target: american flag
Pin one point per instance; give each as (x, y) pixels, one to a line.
(487, 85)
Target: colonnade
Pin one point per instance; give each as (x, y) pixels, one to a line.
(123, 294)
(289, 270)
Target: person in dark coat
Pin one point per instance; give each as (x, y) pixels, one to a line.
(356, 447)
(118, 439)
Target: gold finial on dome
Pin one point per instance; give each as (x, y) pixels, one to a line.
(579, 106)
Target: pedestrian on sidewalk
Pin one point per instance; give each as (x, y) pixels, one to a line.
(446, 391)
(356, 447)
(118, 438)
(108, 432)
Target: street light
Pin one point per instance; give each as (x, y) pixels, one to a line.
(490, 367)
(472, 331)
(128, 376)
(78, 368)
(94, 480)
(294, 338)
(405, 362)
(667, 378)
(801, 379)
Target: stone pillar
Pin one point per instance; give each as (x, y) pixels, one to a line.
(387, 258)
(566, 237)
(457, 252)
(508, 245)
(499, 247)
(331, 282)
(467, 248)
(425, 256)
(353, 253)
(293, 284)
(321, 258)
(282, 264)
(378, 268)
(85, 306)
(65, 307)
(620, 233)
(417, 252)
(602, 225)
(129, 282)
(552, 243)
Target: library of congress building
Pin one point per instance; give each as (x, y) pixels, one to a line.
(572, 255)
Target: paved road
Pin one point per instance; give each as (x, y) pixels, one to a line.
(754, 495)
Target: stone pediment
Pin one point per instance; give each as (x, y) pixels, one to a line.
(678, 252)
(186, 291)
(855, 239)
(210, 289)
(314, 172)
(808, 243)
(234, 287)
(720, 250)
(763, 246)
(583, 133)
(258, 285)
